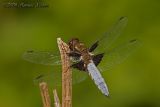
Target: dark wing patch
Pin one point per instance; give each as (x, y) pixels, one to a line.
(79, 66)
(93, 47)
(97, 58)
(74, 54)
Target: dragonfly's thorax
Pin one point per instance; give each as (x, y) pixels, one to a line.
(86, 57)
(79, 47)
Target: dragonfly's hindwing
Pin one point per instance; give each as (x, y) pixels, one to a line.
(96, 76)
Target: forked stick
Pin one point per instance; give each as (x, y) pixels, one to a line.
(66, 74)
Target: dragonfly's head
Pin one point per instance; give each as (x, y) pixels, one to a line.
(72, 43)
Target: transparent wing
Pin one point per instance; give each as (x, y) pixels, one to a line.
(42, 57)
(109, 37)
(55, 78)
(118, 54)
(78, 76)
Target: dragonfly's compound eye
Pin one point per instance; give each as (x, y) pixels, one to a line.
(72, 43)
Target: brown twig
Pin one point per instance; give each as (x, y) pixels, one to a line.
(66, 74)
(56, 99)
(45, 94)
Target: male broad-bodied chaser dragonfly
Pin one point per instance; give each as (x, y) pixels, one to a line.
(91, 60)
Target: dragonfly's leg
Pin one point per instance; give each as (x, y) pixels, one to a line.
(93, 47)
(97, 58)
(80, 66)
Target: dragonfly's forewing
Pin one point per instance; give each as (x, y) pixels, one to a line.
(110, 36)
(42, 57)
(55, 78)
(118, 54)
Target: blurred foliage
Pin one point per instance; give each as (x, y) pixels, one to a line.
(134, 83)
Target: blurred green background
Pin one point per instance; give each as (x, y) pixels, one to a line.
(134, 83)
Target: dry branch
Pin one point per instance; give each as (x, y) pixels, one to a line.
(56, 99)
(66, 74)
(45, 94)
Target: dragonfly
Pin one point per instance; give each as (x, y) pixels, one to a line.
(93, 60)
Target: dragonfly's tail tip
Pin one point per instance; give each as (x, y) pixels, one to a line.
(108, 96)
